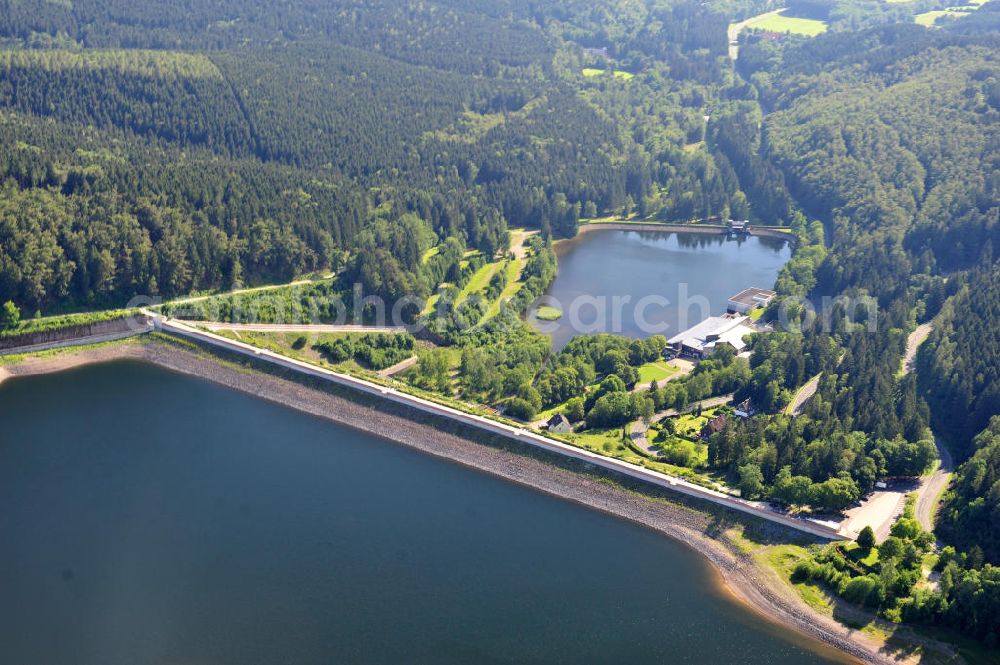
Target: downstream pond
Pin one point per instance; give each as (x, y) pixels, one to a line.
(149, 518)
(668, 281)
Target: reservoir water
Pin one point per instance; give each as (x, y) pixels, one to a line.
(683, 277)
(148, 518)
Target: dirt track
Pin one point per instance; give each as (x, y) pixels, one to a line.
(932, 487)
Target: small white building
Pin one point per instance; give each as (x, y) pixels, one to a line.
(750, 299)
(698, 342)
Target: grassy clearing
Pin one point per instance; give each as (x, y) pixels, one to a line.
(548, 413)
(610, 443)
(591, 72)
(286, 343)
(430, 253)
(299, 345)
(929, 19)
(469, 128)
(690, 425)
(547, 313)
(655, 371)
(429, 305)
(783, 559)
(467, 257)
(479, 281)
(789, 24)
(682, 452)
(514, 269)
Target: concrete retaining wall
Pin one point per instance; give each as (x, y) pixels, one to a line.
(31, 341)
(764, 232)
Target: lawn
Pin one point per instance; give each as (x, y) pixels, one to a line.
(655, 371)
(609, 443)
(286, 343)
(690, 425)
(681, 452)
(790, 24)
(756, 313)
(548, 413)
(854, 552)
(590, 71)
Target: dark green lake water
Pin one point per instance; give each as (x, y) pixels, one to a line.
(696, 274)
(148, 518)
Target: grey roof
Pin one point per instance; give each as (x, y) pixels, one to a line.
(753, 296)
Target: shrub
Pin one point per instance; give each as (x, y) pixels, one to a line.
(803, 571)
(522, 409)
(866, 539)
(681, 453)
(865, 590)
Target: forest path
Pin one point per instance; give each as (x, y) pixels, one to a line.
(933, 486)
(913, 342)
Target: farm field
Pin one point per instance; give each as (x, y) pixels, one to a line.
(781, 22)
(929, 19)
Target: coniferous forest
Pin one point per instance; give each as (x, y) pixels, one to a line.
(170, 148)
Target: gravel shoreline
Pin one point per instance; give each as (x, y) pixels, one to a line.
(739, 575)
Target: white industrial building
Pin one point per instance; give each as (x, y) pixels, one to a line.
(699, 341)
(750, 299)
